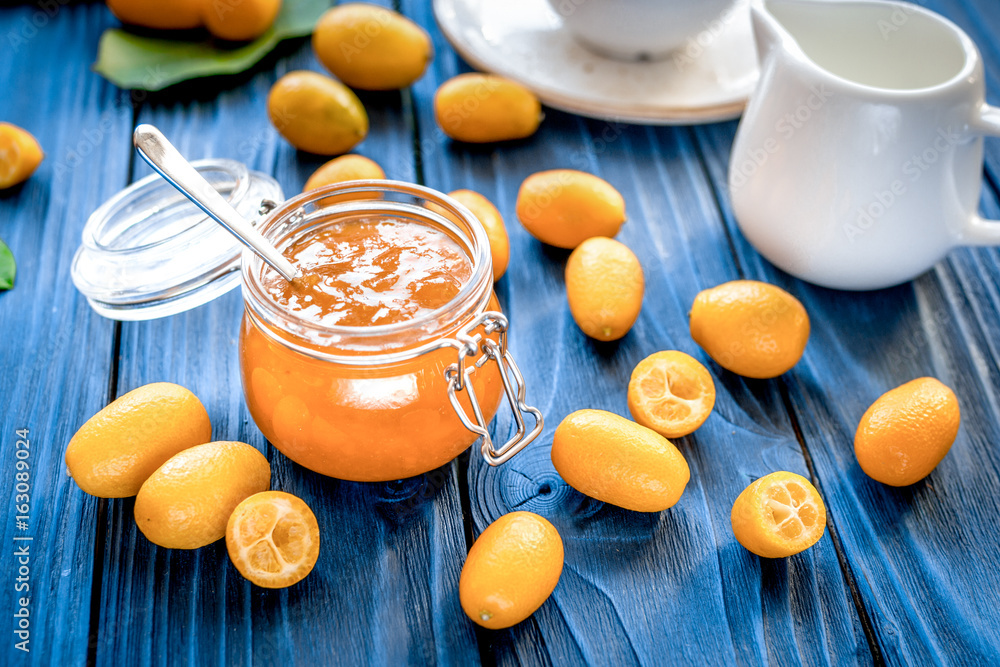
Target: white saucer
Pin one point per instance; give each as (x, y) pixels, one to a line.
(705, 81)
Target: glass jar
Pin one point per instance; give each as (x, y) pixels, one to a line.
(368, 403)
(379, 402)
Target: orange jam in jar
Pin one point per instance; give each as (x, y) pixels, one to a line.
(353, 369)
(368, 271)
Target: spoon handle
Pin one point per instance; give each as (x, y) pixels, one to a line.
(167, 161)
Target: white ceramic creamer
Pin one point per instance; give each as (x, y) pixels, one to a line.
(858, 162)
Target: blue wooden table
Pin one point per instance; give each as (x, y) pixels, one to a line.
(904, 576)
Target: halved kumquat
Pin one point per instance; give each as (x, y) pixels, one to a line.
(671, 393)
(779, 515)
(273, 539)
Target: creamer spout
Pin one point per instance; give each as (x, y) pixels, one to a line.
(768, 32)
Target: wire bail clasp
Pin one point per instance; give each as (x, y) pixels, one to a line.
(458, 376)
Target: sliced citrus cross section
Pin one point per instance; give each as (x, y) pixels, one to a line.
(671, 393)
(779, 515)
(273, 539)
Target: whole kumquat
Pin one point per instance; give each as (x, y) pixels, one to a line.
(486, 108)
(512, 568)
(186, 502)
(492, 221)
(20, 155)
(371, 47)
(345, 168)
(617, 461)
(239, 20)
(117, 449)
(316, 114)
(906, 432)
(565, 207)
(604, 287)
(751, 328)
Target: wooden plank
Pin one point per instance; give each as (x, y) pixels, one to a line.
(56, 353)
(910, 551)
(383, 589)
(639, 588)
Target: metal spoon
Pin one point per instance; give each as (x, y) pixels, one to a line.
(171, 165)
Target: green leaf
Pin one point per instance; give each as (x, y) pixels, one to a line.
(7, 267)
(147, 63)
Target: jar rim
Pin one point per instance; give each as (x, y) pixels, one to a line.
(476, 289)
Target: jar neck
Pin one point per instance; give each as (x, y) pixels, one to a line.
(306, 214)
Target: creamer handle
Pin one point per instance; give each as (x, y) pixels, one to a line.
(979, 230)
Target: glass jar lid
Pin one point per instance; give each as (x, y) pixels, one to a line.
(149, 252)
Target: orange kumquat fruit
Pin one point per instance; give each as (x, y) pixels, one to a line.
(617, 461)
(779, 515)
(906, 432)
(671, 393)
(273, 539)
(751, 328)
(511, 570)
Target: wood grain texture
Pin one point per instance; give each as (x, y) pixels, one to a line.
(55, 354)
(924, 557)
(383, 588)
(639, 588)
(666, 588)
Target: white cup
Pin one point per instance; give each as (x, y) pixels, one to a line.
(637, 29)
